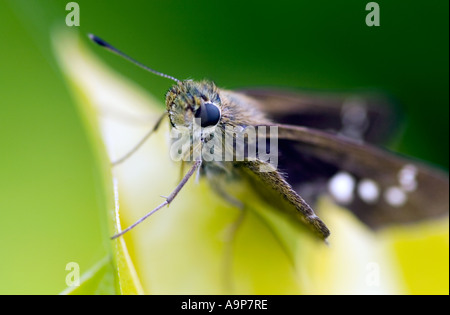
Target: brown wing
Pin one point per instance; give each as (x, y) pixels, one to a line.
(274, 189)
(371, 117)
(381, 188)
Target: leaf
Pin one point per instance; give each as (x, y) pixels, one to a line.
(422, 254)
(93, 87)
(99, 280)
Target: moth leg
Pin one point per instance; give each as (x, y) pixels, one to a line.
(124, 117)
(166, 202)
(275, 190)
(182, 170)
(227, 197)
(140, 143)
(217, 185)
(228, 251)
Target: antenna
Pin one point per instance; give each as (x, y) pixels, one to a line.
(104, 44)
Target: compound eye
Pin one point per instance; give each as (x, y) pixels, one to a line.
(209, 115)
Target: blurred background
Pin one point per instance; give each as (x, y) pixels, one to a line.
(49, 213)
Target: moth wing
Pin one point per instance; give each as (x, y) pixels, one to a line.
(276, 191)
(362, 116)
(379, 187)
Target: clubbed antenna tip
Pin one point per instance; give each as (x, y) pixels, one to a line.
(98, 40)
(111, 48)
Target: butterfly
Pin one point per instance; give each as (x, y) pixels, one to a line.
(327, 144)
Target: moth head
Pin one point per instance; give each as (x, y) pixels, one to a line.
(189, 102)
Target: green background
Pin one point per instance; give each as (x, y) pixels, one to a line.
(49, 213)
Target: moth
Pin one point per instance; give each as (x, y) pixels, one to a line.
(327, 144)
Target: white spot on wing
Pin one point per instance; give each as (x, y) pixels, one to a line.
(368, 191)
(354, 118)
(395, 196)
(341, 186)
(407, 178)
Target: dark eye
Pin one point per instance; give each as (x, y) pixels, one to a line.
(209, 114)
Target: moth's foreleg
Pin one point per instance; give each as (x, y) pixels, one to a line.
(228, 251)
(166, 202)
